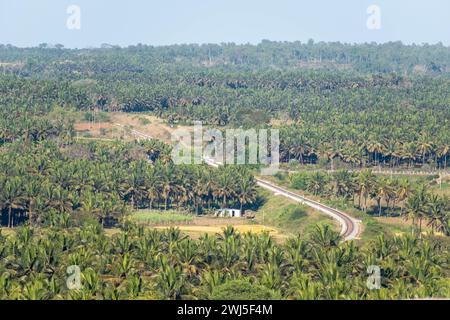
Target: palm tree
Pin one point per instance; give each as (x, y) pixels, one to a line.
(443, 153)
(31, 192)
(11, 198)
(166, 187)
(152, 186)
(247, 191)
(225, 186)
(90, 204)
(341, 184)
(409, 152)
(376, 148)
(382, 192)
(365, 181)
(324, 236)
(424, 146)
(436, 213)
(415, 210)
(316, 183)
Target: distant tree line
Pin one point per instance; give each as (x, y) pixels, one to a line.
(363, 104)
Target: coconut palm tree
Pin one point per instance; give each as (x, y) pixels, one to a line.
(383, 191)
(402, 192)
(341, 184)
(415, 207)
(365, 182)
(316, 183)
(225, 187)
(11, 198)
(436, 213)
(246, 192)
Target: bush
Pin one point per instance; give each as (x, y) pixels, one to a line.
(293, 212)
(300, 181)
(144, 121)
(280, 175)
(243, 290)
(99, 117)
(323, 162)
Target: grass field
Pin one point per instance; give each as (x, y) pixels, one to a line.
(196, 226)
(156, 217)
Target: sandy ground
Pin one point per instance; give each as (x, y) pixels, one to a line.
(149, 125)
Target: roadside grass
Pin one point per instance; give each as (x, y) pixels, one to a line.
(290, 216)
(374, 226)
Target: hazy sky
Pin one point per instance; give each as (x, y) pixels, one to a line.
(124, 22)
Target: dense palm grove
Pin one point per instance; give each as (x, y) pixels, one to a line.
(363, 104)
(43, 183)
(150, 264)
(393, 196)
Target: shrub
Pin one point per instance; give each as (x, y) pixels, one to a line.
(144, 121)
(300, 180)
(293, 212)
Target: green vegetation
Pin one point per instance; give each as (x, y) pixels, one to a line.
(337, 106)
(139, 263)
(43, 182)
(243, 290)
(357, 105)
(288, 215)
(156, 217)
(96, 116)
(391, 196)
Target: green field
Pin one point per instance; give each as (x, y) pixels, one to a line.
(156, 217)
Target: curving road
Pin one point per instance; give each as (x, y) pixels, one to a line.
(350, 227)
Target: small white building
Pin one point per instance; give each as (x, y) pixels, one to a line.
(232, 213)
